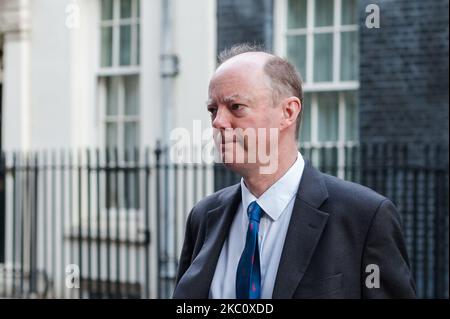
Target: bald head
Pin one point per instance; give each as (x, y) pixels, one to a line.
(250, 59)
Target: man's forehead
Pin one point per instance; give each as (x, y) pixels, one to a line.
(243, 68)
(246, 63)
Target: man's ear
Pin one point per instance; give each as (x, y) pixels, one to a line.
(291, 108)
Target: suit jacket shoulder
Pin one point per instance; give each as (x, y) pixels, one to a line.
(215, 200)
(350, 200)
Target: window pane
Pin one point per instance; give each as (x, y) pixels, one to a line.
(131, 136)
(138, 49)
(323, 57)
(351, 116)
(112, 88)
(349, 12)
(106, 50)
(305, 128)
(111, 134)
(324, 13)
(125, 45)
(296, 52)
(296, 14)
(328, 117)
(107, 9)
(138, 4)
(125, 9)
(349, 56)
(131, 95)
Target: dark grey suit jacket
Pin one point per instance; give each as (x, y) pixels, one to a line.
(336, 230)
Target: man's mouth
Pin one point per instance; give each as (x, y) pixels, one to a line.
(228, 140)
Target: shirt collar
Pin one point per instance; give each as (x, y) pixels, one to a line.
(275, 199)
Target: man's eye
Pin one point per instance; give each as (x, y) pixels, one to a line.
(212, 110)
(237, 107)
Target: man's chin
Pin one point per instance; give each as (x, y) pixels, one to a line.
(243, 163)
(238, 165)
(238, 168)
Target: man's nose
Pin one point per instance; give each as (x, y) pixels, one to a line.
(221, 120)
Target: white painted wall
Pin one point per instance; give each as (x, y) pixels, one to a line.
(15, 102)
(14, 24)
(150, 81)
(195, 42)
(50, 101)
(50, 78)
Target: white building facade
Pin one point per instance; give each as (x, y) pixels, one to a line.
(88, 73)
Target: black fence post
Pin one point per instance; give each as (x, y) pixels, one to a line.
(136, 205)
(3, 221)
(175, 210)
(34, 226)
(127, 205)
(80, 231)
(99, 233)
(62, 214)
(89, 237)
(147, 224)
(108, 228)
(158, 215)
(117, 290)
(2, 208)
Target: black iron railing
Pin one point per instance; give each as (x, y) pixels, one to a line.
(109, 224)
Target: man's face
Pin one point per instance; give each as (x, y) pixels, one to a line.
(242, 112)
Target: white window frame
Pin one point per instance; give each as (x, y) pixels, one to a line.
(120, 72)
(117, 71)
(341, 142)
(280, 44)
(281, 32)
(116, 23)
(120, 118)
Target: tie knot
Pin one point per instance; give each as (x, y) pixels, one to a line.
(254, 211)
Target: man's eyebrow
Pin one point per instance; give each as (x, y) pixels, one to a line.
(235, 97)
(229, 99)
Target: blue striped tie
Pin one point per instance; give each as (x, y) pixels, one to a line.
(248, 276)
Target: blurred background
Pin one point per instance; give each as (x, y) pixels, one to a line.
(91, 205)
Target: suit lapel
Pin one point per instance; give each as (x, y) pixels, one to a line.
(304, 231)
(218, 223)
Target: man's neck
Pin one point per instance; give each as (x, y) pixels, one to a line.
(258, 183)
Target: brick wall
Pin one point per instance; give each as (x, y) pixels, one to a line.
(404, 73)
(244, 21)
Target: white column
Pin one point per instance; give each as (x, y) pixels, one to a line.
(14, 25)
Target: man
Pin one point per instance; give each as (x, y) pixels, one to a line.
(289, 231)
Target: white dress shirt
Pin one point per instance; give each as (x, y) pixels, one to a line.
(277, 203)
